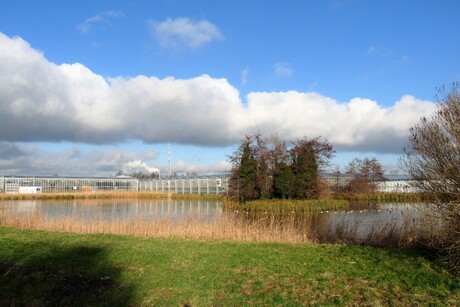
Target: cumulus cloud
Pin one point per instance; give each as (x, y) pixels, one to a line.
(42, 101)
(103, 18)
(184, 33)
(360, 124)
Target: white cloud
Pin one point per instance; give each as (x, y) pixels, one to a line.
(282, 70)
(182, 33)
(103, 18)
(42, 101)
(244, 76)
(180, 167)
(360, 124)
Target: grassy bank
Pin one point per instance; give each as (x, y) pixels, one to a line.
(288, 205)
(39, 268)
(384, 197)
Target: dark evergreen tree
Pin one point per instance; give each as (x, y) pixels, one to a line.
(243, 174)
(308, 156)
(305, 172)
(282, 181)
(248, 175)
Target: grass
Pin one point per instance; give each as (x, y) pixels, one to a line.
(280, 205)
(45, 268)
(384, 197)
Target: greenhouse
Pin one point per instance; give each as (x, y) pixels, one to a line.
(37, 185)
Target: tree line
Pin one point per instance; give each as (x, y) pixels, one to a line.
(264, 168)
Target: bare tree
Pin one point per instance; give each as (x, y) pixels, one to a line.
(365, 172)
(432, 159)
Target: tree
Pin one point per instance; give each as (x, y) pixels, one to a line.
(263, 176)
(280, 172)
(265, 168)
(242, 182)
(432, 159)
(366, 173)
(282, 181)
(307, 158)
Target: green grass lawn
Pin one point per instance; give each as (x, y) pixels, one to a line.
(44, 268)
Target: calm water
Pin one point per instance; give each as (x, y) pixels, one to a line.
(117, 209)
(361, 216)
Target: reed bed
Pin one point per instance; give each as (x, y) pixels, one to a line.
(242, 226)
(234, 228)
(285, 205)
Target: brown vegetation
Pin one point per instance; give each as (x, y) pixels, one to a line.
(433, 161)
(245, 225)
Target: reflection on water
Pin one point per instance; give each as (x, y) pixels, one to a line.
(124, 209)
(364, 216)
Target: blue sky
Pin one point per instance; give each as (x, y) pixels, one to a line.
(92, 87)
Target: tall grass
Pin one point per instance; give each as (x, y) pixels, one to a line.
(234, 228)
(238, 225)
(284, 205)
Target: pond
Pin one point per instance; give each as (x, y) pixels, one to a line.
(116, 209)
(359, 221)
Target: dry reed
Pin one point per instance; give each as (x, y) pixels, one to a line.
(242, 226)
(221, 228)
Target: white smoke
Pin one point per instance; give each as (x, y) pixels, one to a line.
(139, 166)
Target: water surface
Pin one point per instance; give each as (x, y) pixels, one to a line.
(359, 218)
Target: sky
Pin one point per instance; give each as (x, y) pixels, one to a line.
(92, 87)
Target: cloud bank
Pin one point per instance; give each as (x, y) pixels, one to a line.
(23, 159)
(43, 101)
